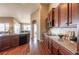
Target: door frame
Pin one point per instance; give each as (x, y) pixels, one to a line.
(34, 22)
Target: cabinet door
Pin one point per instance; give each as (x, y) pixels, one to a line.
(5, 42)
(14, 40)
(0, 43)
(55, 48)
(63, 14)
(56, 17)
(46, 41)
(28, 38)
(75, 13)
(64, 51)
(50, 46)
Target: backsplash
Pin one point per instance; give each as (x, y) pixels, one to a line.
(56, 31)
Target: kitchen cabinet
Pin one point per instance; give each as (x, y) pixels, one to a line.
(0, 43)
(46, 41)
(50, 22)
(14, 40)
(5, 42)
(50, 45)
(55, 48)
(74, 13)
(10, 41)
(68, 14)
(27, 37)
(63, 14)
(64, 51)
(56, 17)
(51, 18)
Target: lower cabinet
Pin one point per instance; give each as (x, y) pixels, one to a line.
(28, 38)
(55, 48)
(14, 41)
(64, 51)
(0, 44)
(46, 42)
(50, 45)
(5, 43)
(8, 41)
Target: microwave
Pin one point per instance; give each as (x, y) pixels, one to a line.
(50, 23)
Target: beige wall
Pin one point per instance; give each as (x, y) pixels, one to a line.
(53, 5)
(40, 16)
(8, 20)
(43, 14)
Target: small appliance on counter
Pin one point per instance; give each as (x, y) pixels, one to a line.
(72, 36)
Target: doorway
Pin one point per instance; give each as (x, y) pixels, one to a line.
(35, 36)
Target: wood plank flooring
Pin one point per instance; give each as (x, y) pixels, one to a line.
(32, 48)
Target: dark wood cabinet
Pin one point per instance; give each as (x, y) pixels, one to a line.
(50, 22)
(55, 48)
(0, 43)
(28, 38)
(9, 41)
(56, 18)
(14, 40)
(5, 42)
(63, 14)
(64, 51)
(46, 41)
(75, 13)
(68, 14)
(50, 45)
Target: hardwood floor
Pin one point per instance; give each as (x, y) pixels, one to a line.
(33, 48)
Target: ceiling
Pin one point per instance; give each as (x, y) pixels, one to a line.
(21, 11)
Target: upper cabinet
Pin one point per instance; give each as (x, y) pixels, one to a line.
(68, 14)
(74, 13)
(63, 15)
(56, 17)
(50, 19)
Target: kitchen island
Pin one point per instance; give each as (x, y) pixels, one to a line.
(13, 40)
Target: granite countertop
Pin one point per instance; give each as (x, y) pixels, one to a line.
(71, 46)
(7, 34)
